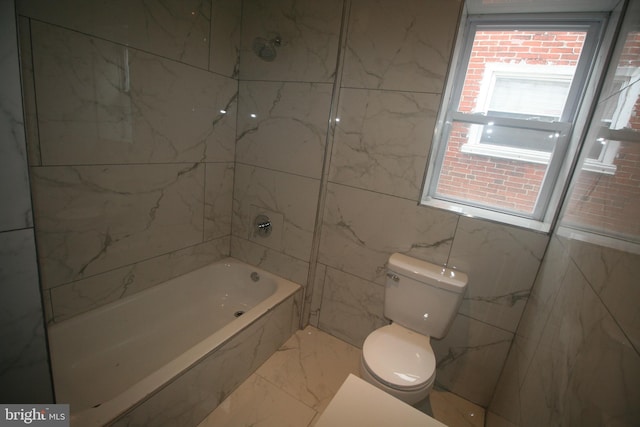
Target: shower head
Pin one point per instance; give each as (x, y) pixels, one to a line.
(266, 49)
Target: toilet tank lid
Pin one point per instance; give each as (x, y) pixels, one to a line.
(442, 277)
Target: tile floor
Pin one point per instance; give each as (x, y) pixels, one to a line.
(296, 384)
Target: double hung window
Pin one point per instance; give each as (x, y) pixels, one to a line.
(506, 127)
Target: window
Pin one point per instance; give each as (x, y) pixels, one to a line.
(513, 98)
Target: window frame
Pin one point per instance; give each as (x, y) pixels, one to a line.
(566, 150)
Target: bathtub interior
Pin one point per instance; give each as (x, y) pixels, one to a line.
(123, 343)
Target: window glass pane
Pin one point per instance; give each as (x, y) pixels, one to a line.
(525, 72)
(516, 138)
(528, 96)
(608, 203)
(509, 180)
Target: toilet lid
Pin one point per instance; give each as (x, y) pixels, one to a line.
(400, 357)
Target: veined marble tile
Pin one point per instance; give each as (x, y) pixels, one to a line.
(613, 275)
(28, 92)
(454, 411)
(292, 196)
(308, 31)
(226, 18)
(311, 366)
(189, 398)
(351, 307)
(218, 200)
(176, 29)
(313, 300)
(283, 126)
(400, 48)
(103, 103)
(470, 357)
(501, 262)
(87, 294)
(584, 371)
(540, 302)
(257, 402)
(274, 262)
(362, 229)
(495, 420)
(14, 179)
(506, 398)
(96, 218)
(382, 140)
(24, 359)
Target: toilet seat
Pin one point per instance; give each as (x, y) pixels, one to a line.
(399, 358)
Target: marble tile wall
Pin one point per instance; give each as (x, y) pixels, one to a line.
(394, 71)
(24, 365)
(283, 118)
(131, 111)
(575, 359)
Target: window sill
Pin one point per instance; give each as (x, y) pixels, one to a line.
(499, 217)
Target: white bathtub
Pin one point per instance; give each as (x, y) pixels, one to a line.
(111, 359)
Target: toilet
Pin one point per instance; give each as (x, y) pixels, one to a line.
(421, 299)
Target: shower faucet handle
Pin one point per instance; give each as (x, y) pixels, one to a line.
(263, 225)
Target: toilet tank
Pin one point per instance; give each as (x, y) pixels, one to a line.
(422, 296)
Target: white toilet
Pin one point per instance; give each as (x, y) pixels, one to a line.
(421, 300)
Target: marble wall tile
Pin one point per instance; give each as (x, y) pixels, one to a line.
(502, 263)
(96, 218)
(292, 196)
(382, 140)
(24, 358)
(308, 30)
(218, 198)
(272, 261)
(175, 29)
(25, 374)
(584, 371)
(188, 399)
(400, 48)
(314, 304)
(506, 399)
(613, 275)
(14, 179)
(351, 307)
(100, 102)
(86, 294)
(224, 57)
(29, 92)
(283, 126)
(362, 229)
(470, 357)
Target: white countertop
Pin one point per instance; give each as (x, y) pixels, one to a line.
(358, 403)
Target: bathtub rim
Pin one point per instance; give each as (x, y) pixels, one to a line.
(135, 395)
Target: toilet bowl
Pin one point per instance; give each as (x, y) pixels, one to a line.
(421, 300)
(400, 362)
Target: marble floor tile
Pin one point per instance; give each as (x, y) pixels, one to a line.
(312, 365)
(455, 411)
(297, 382)
(257, 402)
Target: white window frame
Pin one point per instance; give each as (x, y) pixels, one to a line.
(565, 153)
(493, 71)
